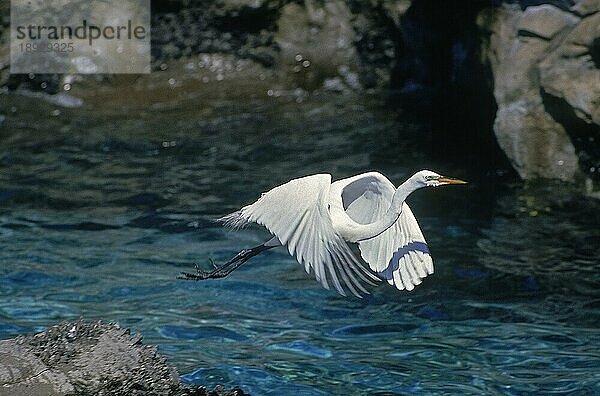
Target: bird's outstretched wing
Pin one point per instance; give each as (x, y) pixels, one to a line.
(297, 214)
(400, 254)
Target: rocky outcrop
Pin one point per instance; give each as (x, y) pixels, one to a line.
(244, 28)
(570, 84)
(543, 60)
(89, 358)
(316, 43)
(309, 44)
(547, 87)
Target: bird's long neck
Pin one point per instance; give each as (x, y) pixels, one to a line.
(367, 231)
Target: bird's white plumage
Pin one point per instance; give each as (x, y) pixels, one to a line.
(314, 218)
(297, 214)
(399, 254)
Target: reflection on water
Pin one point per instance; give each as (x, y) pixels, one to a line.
(100, 211)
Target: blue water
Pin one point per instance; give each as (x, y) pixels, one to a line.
(100, 210)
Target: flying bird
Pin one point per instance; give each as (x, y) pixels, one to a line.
(315, 220)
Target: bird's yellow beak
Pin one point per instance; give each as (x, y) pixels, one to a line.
(450, 180)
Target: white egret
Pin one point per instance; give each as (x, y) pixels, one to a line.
(315, 218)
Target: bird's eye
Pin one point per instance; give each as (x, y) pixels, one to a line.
(430, 177)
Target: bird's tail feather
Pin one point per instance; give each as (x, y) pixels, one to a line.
(233, 220)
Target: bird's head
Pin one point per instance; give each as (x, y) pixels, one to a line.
(427, 178)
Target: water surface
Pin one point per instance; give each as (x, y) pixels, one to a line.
(100, 210)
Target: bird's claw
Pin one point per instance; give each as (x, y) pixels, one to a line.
(225, 269)
(201, 274)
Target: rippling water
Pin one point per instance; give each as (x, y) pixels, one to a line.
(99, 211)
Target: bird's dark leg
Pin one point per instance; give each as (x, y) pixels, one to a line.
(228, 267)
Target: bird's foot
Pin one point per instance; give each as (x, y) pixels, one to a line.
(227, 268)
(217, 272)
(200, 274)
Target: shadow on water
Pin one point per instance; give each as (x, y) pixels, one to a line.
(99, 210)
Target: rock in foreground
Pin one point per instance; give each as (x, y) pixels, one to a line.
(92, 358)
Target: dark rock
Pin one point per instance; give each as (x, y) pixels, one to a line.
(89, 358)
(528, 69)
(316, 41)
(568, 73)
(546, 85)
(536, 144)
(188, 28)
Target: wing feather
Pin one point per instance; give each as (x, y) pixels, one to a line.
(296, 213)
(400, 254)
